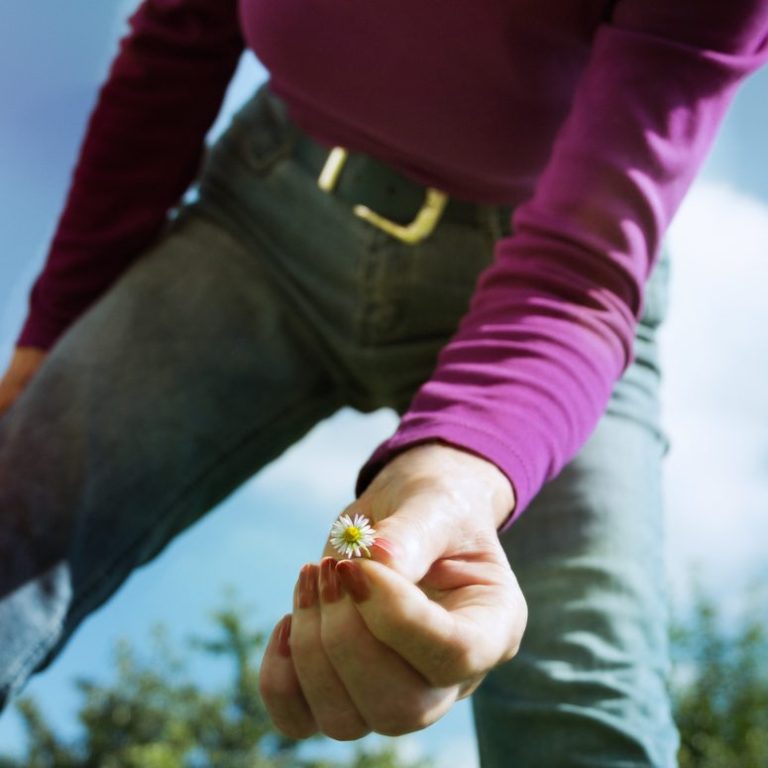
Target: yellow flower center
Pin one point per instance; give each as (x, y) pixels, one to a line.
(352, 534)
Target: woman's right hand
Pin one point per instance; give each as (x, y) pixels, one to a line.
(24, 364)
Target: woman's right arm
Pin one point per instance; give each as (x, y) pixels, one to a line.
(141, 150)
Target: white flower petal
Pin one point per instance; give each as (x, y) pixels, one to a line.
(346, 545)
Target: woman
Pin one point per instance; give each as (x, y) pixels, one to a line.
(456, 213)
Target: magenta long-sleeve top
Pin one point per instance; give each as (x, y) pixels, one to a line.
(590, 118)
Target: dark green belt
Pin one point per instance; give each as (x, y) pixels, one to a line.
(364, 180)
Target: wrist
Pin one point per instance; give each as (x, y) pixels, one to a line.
(460, 473)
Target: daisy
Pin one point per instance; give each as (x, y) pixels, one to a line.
(350, 537)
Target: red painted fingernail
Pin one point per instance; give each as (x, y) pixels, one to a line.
(283, 633)
(354, 580)
(383, 549)
(308, 586)
(330, 588)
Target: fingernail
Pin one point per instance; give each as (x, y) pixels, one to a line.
(354, 580)
(283, 633)
(383, 549)
(330, 588)
(308, 586)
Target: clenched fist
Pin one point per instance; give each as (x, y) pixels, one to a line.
(388, 644)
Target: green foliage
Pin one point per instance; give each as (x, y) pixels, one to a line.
(153, 715)
(720, 689)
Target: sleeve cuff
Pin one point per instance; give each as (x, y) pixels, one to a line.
(39, 332)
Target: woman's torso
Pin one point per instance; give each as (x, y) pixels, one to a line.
(465, 96)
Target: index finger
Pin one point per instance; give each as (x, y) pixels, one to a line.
(482, 627)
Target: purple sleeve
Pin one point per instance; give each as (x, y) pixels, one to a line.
(141, 150)
(530, 369)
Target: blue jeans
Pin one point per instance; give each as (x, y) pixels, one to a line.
(261, 309)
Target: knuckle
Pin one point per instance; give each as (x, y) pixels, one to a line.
(302, 644)
(348, 728)
(292, 729)
(523, 608)
(391, 728)
(470, 686)
(335, 642)
(450, 666)
(512, 650)
(276, 699)
(518, 623)
(332, 638)
(273, 692)
(269, 687)
(402, 719)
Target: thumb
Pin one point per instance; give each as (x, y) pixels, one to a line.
(414, 536)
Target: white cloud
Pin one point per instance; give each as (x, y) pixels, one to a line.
(715, 362)
(323, 466)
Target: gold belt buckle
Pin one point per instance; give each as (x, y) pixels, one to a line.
(422, 226)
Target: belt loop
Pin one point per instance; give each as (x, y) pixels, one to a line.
(488, 219)
(503, 216)
(421, 227)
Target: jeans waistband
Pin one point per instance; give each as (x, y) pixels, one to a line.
(368, 181)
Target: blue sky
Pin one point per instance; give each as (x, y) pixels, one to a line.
(53, 57)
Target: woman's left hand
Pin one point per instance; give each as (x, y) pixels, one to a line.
(388, 644)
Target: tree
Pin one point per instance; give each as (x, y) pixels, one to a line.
(720, 689)
(153, 715)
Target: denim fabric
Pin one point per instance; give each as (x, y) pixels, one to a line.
(261, 309)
